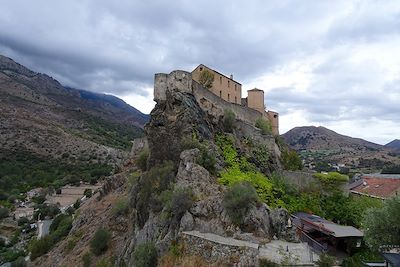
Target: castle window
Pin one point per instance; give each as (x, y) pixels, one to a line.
(228, 95)
(201, 68)
(275, 116)
(235, 99)
(220, 94)
(228, 83)
(235, 87)
(220, 79)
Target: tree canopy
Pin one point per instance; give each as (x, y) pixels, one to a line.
(382, 225)
(206, 78)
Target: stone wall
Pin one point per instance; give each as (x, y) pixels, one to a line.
(177, 80)
(215, 252)
(299, 179)
(211, 103)
(222, 86)
(215, 106)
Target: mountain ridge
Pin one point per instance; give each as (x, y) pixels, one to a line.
(42, 117)
(320, 144)
(393, 144)
(302, 131)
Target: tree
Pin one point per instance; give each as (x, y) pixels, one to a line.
(238, 200)
(99, 242)
(381, 225)
(291, 160)
(264, 125)
(206, 79)
(3, 213)
(145, 255)
(229, 120)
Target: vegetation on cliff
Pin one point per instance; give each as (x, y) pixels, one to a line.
(324, 199)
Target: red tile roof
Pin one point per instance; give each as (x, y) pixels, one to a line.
(378, 187)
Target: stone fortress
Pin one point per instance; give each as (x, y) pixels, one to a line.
(225, 93)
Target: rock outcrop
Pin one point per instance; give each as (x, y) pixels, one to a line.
(177, 200)
(179, 117)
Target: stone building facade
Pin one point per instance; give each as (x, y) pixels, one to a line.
(223, 86)
(216, 99)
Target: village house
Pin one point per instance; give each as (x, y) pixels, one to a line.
(326, 236)
(231, 91)
(380, 186)
(21, 212)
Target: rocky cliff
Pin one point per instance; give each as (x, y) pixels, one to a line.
(176, 202)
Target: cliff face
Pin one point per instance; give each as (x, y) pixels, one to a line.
(177, 118)
(177, 199)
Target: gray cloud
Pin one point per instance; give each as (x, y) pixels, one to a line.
(117, 47)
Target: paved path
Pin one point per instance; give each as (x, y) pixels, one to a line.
(228, 241)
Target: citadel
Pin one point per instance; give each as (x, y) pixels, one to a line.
(224, 93)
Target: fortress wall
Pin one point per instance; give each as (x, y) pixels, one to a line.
(179, 80)
(274, 119)
(215, 105)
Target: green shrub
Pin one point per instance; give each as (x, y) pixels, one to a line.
(239, 170)
(267, 263)
(77, 204)
(190, 143)
(87, 259)
(104, 263)
(88, 193)
(238, 200)
(260, 156)
(179, 202)
(145, 255)
(264, 126)
(262, 185)
(39, 247)
(141, 161)
(391, 169)
(3, 213)
(99, 242)
(381, 225)
(229, 120)
(23, 221)
(331, 177)
(19, 262)
(291, 160)
(225, 143)
(206, 159)
(11, 254)
(121, 207)
(60, 227)
(325, 260)
(150, 185)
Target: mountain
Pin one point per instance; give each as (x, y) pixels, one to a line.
(312, 137)
(43, 123)
(394, 144)
(322, 144)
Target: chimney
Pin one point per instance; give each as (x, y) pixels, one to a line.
(231, 76)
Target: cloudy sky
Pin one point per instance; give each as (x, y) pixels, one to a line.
(328, 63)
